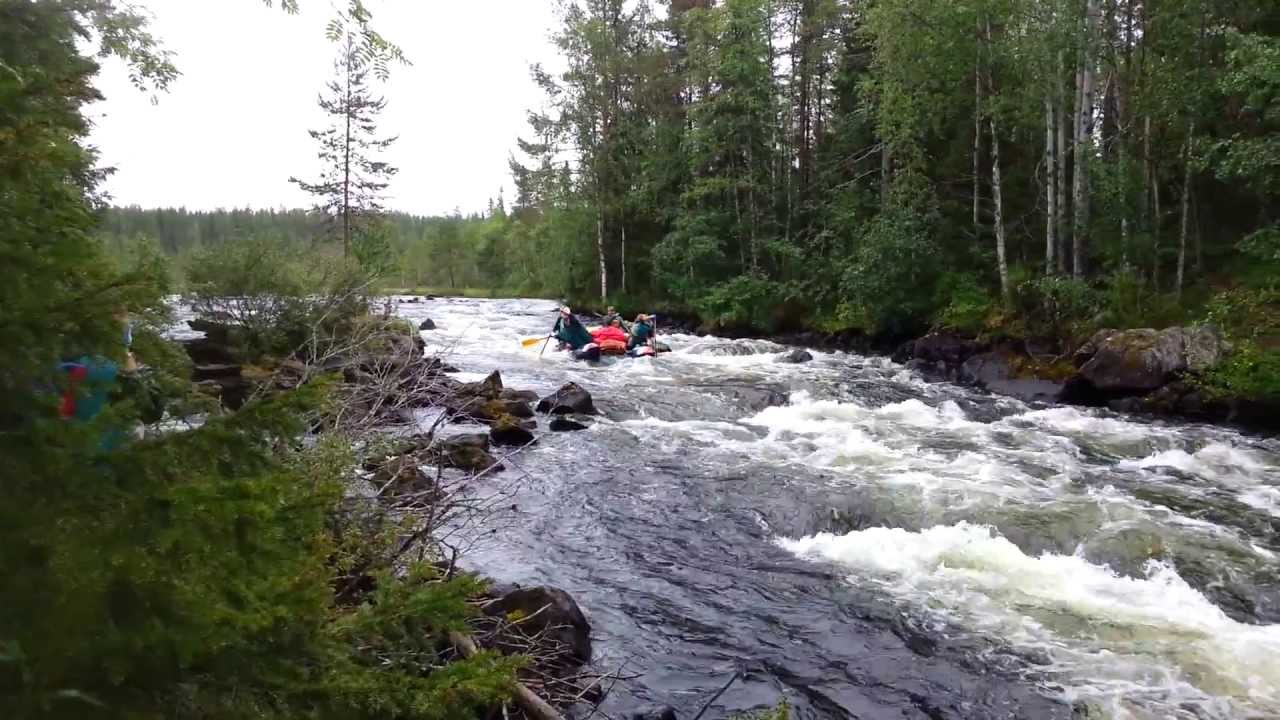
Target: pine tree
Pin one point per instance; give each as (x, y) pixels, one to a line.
(351, 184)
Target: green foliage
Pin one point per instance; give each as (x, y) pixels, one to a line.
(1250, 372)
(966, 305)
(1056, 307)
(892, 263)
(1128, 300)
(744, 301)
(277, 296)
(188, 573)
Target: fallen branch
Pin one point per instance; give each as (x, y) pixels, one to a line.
(715, 697)
(525, 698)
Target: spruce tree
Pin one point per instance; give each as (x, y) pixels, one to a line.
(349, 190)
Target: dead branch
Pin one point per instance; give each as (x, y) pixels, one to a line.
(524, 697)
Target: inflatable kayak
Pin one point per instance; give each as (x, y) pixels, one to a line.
(594, 351)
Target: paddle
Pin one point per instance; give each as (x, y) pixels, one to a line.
(533, 341)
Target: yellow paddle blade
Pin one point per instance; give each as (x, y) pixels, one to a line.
(532, 341)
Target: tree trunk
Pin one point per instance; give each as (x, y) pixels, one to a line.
(1186, 212)
(1157, 217)
(1061, 182)
(604, 272)
(1084, 138)
(977, 145)
(997, 193)
(997, 197)
(886, 166)
(346, 161)
(1051, 188)
(623, 280)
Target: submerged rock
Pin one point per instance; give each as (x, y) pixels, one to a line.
(569, 399)
(427, 324)
(795, 357)
(653, 712)
(564, 424)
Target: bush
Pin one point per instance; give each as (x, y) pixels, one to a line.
(966, 305)
(1128, 301)
(745, 301)
(1056, 307)
(278, 297)
(895, 258)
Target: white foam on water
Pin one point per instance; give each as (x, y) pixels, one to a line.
(1156, 634)
(1226, 465)
(1073, 421)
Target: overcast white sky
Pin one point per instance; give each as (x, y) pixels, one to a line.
(232, 129)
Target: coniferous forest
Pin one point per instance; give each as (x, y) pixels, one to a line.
(1013, 170)
(1025, 166)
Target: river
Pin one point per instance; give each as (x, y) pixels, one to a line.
(882, 547)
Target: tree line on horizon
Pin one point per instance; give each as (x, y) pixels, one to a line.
(882, 165)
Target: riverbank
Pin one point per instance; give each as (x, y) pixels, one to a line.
(1170, 372)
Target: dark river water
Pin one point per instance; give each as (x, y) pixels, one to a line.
(876, 546)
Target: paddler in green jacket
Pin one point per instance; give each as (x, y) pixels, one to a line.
(570, 331)
(642, 332)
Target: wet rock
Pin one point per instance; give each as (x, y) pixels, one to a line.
(904, 352)
(510, 431)
(463, 452)
(1027, 389)
(488, 389)
(515, 408)
(795, 357)
(750, 398)
(526, 396)
(207, 351)
(427, 324)
(402, 474)
(945, 347)
(1133, 361)
(931, 369)
(551, 613)
(653, 712)
(569, 399)
(564, 424)
(986, 368)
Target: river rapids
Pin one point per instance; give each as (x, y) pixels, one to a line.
(865, 544)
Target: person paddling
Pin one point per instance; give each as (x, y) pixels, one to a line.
(570, 331)
(643, 332)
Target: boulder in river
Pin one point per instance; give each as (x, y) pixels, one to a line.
(795, 357)
(986, 368)
(525, 396)
(562, 423)
(549, 612)
(569, 399)
(944, 347)
(427, 324)
(488, 389)
(510, 431)
(464, 452)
